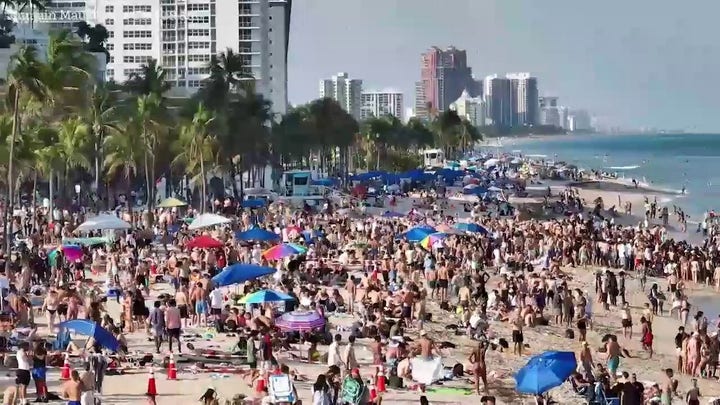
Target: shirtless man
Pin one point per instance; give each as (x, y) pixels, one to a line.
(464, 295)
(197, 295)
(431, 278)
(72, 389)
(426, 346)
(613, 356)
(443, 283)
(517, 333)
(351, 289)
(668, 387)
(477, 359)
(9, 395)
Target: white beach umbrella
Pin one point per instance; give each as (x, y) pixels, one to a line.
(491, 162)
(102, 222)
(208, 220)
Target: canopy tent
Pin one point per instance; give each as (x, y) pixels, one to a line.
(171, 203)
(94, 241)
(208, 220)
(103, 222)
(91, 329)
(240, 273)
(257, 234)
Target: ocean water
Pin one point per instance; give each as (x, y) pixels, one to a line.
(667, 162)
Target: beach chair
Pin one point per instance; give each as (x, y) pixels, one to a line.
(281, 390)
(351, 392)
(599, 397)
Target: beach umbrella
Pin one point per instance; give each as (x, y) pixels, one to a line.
(418, 233)
(392, 214)
(283, 250)
(544, 372)
(172, 202)
(300, 321)
(257, 234)
(102, 222)
(71, 252)
(430, 240)
(255, 203)
(491, 162)
(91, 329)
(204, 242)
(471, 227)
(208, 220)
(240, 273)
(262, 296)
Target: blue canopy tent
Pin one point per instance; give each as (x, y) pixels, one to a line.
(257, 234)
(323, 182)
(256, 203)
(91, 329)
(240, 273)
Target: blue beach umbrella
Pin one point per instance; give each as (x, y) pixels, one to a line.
(392, 214)
(257, 234)
(471, 227)
(544, 372)
(240, 273)
(417, 234)
(255, 203)
(263, 296)
(91, 329)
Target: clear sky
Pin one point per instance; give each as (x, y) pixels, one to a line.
(632, 63)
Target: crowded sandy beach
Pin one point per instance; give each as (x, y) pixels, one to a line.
(515, 283)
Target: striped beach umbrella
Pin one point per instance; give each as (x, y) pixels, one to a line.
(300, 321)
(430, 240)
(283, 250)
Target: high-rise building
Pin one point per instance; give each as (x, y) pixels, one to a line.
(564, 114)
(579, 120)
(444, 74)
(470, 108)
(346, 91)
(549, 111)
(182, 35)
(379, 103)
(499, 100)
(525, 99)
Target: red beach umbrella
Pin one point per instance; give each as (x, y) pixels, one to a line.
(204, 242)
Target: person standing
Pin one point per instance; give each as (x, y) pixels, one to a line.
(173, 323)
(334, 358)
(72, 389)
(157, 321)
(22, 375)
(39, 370)
(349, 355)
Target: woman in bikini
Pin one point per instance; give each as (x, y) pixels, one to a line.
(477, 359)
(50, 308)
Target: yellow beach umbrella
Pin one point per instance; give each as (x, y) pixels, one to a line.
(172, 202)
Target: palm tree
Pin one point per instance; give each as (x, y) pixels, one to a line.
(123, 151)
(39, 5)
(100, 115)
(68, 70)
(146, 119)
(73, 142)
(150, 80)
(25, 77)
(228, 74)
(195, 147)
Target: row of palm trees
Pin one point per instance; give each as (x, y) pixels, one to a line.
(62, 125)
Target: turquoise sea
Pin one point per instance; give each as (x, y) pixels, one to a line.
(665, 161)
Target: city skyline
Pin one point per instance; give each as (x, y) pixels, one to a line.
(632, 68)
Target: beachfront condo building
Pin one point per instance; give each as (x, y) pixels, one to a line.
(471, 108)
(499, 100)
(444, 75)
(182, 35)
(549, 111)
(379, 103)
(524, 93)
(346, 91)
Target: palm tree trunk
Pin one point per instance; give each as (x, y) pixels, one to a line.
(233, 173)
(147, 179)
(97, 169)
(51, 183)
(34, 189)
(203, 186)
(11, 189)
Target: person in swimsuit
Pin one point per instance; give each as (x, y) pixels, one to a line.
(72, 389)
(198, 296)
(39, 371)
(477, 359)
(50, 305)
(443, 283)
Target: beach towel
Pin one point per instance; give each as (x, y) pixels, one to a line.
(426, 371)
(351, 391)
(280, 388)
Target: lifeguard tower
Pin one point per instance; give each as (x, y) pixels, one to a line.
(433, 158)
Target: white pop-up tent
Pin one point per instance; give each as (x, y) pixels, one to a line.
(208, 220)
(103, 222)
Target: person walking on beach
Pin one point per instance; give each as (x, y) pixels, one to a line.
(586, 359)
(612, 349)
(517, 333)
(626, 321)
(72, 390)
(477, 359)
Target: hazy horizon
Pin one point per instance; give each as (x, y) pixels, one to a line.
(632, 64)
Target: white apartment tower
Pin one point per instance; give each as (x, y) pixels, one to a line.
(379, 103)
(524, 92)
(182, 35)
(347, 92)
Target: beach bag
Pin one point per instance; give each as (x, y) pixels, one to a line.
(569, 333)
(280, 389)
(351, 391)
